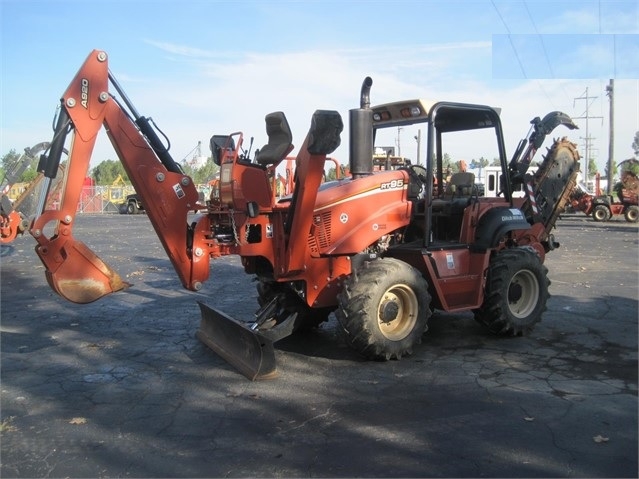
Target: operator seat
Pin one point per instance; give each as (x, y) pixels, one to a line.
(280, 140)
(448, 212)
(459, 191)
(462, 184)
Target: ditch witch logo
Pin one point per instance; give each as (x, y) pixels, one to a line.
(515, 215)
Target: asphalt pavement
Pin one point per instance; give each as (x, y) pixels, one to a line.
(122, 388)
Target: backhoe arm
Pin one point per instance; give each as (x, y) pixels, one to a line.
(72, 269)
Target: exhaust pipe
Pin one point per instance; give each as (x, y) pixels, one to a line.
(361, 134)
(365, 95)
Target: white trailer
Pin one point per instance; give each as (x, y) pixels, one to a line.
(490, 177)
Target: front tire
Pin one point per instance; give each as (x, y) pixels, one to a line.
(384, 309)
(601, 213)
(516, 293)
(632, 214)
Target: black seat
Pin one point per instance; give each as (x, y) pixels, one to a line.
(462, 184)
(219, 145)
(448, 212)
(280, 140)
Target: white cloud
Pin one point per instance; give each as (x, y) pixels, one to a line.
(222, 95)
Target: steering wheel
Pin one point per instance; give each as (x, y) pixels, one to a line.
(420, 172)
(418, 175)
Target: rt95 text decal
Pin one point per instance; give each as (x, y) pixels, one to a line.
(392, 185)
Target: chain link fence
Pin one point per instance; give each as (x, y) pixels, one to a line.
(104, 199)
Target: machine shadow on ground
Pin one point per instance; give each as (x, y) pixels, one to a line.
(121, 386)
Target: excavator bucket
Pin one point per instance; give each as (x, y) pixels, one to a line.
(247, 350)
(82, 277)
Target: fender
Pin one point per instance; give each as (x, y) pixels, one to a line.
(493, 225)
(601, 200)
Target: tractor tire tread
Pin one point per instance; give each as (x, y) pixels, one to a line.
(357, 311)
(494, 312)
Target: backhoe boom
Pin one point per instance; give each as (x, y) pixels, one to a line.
(72, 269)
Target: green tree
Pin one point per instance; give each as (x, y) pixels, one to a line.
(631, 165)
(12, 163)
(9, 160)
(29, 174)
(206, 172)
(592, 168)
(479, 164)
(332, 173)
(447, 163)
(635, 144)
(9, 163)
(106, 172)
(203, 174)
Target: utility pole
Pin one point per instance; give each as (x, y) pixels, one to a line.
(587, 117)
(418, 138)
(611, 134)
(399, 147)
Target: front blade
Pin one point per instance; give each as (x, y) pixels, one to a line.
(248, 351)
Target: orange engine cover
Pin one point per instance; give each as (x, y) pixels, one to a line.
(353, 214)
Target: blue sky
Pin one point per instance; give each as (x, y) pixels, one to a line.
(204, 67)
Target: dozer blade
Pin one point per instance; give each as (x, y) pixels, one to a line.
(247, 350)
(80, 276)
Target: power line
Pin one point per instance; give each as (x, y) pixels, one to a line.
(599, 5)
(510, 39)
(516, 53)
(543, 47)
(541, 40)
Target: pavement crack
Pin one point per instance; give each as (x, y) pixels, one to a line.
(309, 420)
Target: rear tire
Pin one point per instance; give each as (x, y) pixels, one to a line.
(516, 293)
(601, 213)
(384, 309)
(632, 214)
(131, 208)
